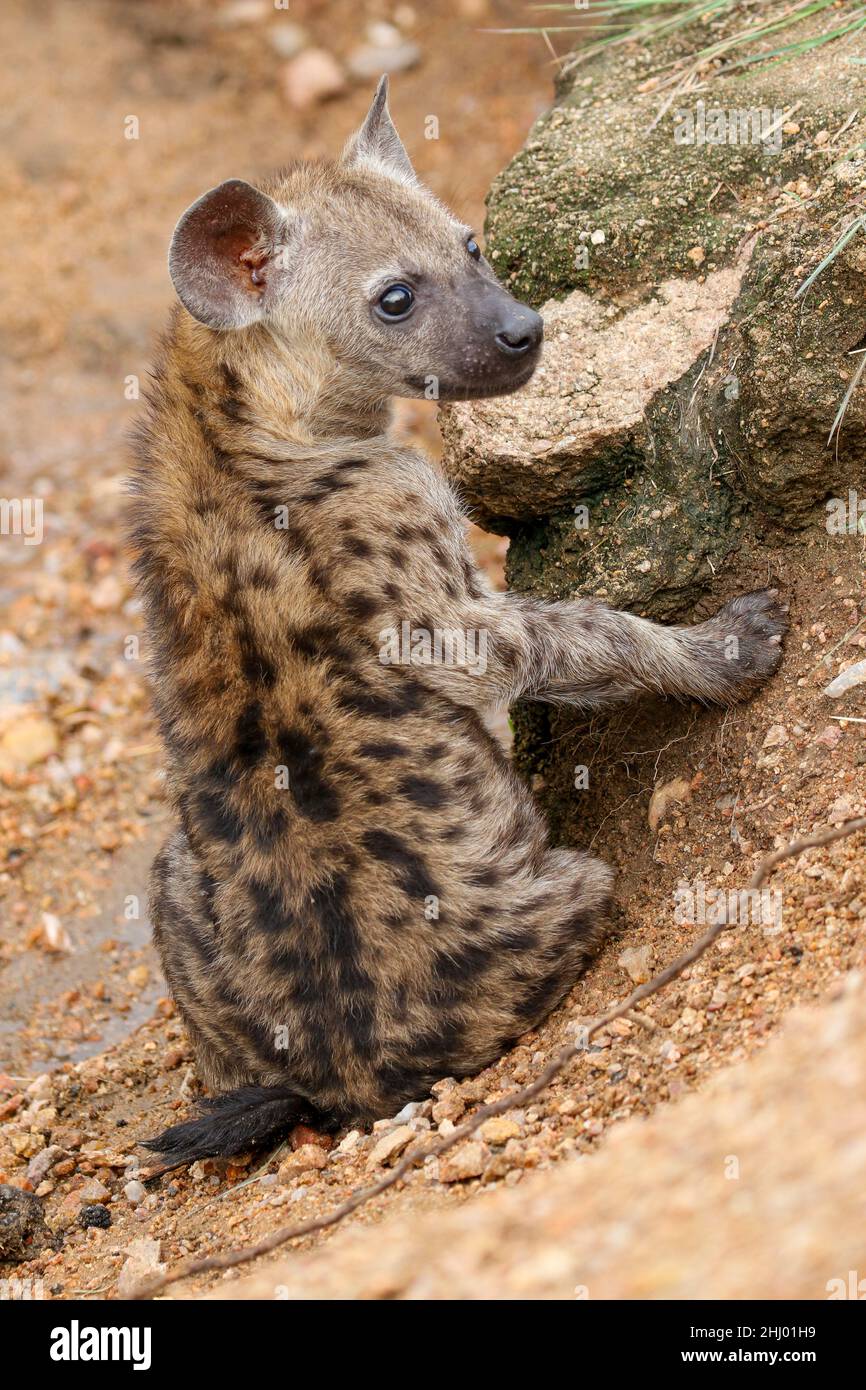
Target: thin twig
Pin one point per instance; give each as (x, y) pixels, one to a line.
(796, 847)
(229, 1259)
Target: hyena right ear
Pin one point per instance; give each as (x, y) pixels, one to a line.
(378, 143)
(224, 255)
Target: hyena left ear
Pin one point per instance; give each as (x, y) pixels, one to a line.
(226, 254)
(378, 143)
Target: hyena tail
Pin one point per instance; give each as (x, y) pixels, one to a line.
(228, 1124)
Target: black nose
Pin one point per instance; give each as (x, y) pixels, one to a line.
(521, 333)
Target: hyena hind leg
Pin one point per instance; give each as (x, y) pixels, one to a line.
(183, 932)
(567, 918)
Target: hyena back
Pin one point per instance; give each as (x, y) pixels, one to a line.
(360, 897)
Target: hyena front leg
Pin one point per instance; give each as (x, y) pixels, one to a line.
(505, 645)
(587, 654)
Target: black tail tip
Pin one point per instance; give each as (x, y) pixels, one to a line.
(232, 1123)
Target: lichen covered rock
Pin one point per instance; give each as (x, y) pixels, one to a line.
(669, 273)
(678, 426)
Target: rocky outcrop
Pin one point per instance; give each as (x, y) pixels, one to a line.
(669, 273)
(579, 423)
(678, 428)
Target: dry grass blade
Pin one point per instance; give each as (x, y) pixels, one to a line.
(646, 21)
(846, 399)
(858, 224)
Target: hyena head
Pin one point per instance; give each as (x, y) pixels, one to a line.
(358, 260)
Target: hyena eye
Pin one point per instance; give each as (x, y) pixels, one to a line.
(396, 301)
(474, 249)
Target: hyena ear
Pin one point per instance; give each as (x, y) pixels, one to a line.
(378, 143)
(225, 255)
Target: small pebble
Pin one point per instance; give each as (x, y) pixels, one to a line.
(94, 1215)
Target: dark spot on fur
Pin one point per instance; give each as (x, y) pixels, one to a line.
(250, 739)
(582, 925)
(357, 697)
(260, 577)
(517, 940)
(435, 1046)
(257, 668)
(454, 832)
(361, 605)
(383, 750)
(412, 693)
(330, 904)
(231, 379)
(470, 960)
(232, 407)
(540, 996)
(269, 825)
(220, 458)
(269, 912)
(485, 878)
(423, 792)
(216, 818)
(320, 640)
(319, 577)
(325, 486)
(315, 797)
(411, 870)
(331, 907)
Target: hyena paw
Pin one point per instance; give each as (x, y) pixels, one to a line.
(747, 640)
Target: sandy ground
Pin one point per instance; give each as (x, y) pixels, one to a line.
(93, 1057)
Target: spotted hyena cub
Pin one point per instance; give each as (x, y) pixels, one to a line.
(360, 897)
